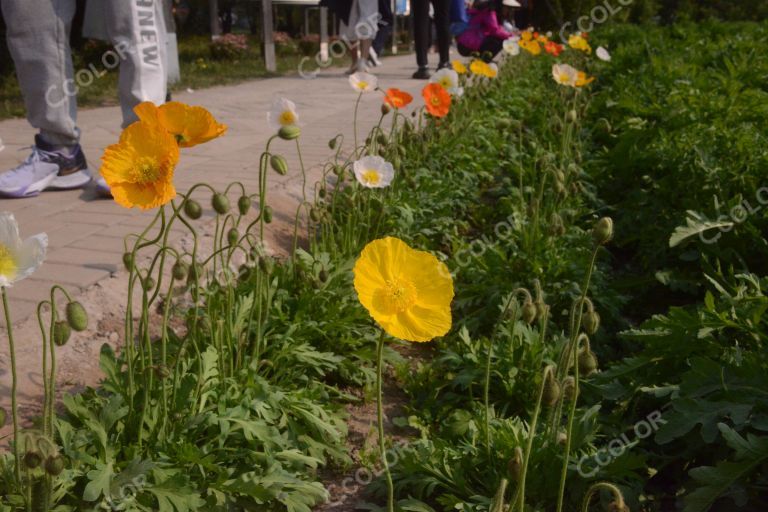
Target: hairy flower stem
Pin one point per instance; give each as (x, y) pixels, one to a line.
(14, 386)
(380, 419)
(354, 119)
(575, 399)
(487, 383)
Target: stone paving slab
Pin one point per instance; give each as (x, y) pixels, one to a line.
(86, 233)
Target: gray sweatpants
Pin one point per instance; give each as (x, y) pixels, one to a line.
(38, 39)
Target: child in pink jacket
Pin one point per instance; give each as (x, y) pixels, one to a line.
(483, 35)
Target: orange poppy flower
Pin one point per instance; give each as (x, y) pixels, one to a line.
(553, 48)
(396, 98)
(436, 99)
(190, 125)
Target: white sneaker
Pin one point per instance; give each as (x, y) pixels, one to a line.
(373, 57)
(102, 188)
(46, 168)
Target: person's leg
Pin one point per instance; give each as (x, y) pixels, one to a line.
(442, 25)
(37, 32)
(421, 29)
(138, 31)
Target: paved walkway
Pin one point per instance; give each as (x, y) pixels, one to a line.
(86, 233)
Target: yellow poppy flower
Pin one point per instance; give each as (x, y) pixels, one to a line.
(139, 169)
(481, 68)
(407, 292)
(190, 125)
(459, 67)
(582, 79)
(532, 47)
(578, 42)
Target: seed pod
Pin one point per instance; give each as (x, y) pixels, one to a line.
(603, 231)
(529, 312)
(385, 109)
(289, 132)
(3, 417)
(552, 391)
(192, 209)
(243, 204)
(220, 203)
(61, 333)
(233, 236)
(515, 465)
(587, 362)
(314, 215)
(279, 164)
(76, 316)
(591, 322)
(332, 143)
(32, 459)
(128, 260)
(180, 270)
(267, 214)
(54, 465)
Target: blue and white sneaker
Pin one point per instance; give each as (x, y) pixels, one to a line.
(46, 168)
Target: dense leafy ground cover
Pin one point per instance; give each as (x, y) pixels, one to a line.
(239, 409)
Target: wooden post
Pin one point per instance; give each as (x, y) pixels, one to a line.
(324, 34)
(269, 40)
(213, 9)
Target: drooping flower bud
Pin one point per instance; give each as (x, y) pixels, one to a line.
(332, 144)
(552, 391)
(192, 209)
(61, 333)
(266, 264)
(602, 232)
(128, 260)
(569, 387)
(572, 115)
(220, 203)
(323, 276)
(32, 459)
(76, 316)
(562, 438)
(279, 164)
(54, 465)
(289, 132)
(321, 193)
(384, 110)
(162, 371)
(149, 283)
(233, 236)
(382, 139)
(529, 312)
(268, 214)
(591, 321)
(314, 214)
(587, 362)
(243, 204)
(180, 270)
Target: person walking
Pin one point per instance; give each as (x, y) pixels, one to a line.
(385, 26)
(38, 39)
(421, 29)
(359, 30)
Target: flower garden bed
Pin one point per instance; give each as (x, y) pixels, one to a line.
(542, 391)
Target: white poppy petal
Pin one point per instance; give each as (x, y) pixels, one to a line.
(9, 231)
(31, 255)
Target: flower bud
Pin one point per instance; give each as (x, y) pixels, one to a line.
(243, 204)
(515, 465)
(569, 387)
(289, 132)
(180, 270)
(323, 276)
(332, 143)
(603, 231)
(502, 124)
(195, 272)
(54, 465)
(266, 264)
(3, 417)
(32, 459)
(192, 209)
(542, 309)
(321, 193)
(162, 371)
(76, 316)
(149, 283)
(314, 214)
(220, 203)
(572, 116)
(381, 139)
(233, 236)
(587, 362)
(590, 320)
(61, 333)
(385, 109)
(128, 260)
(552, 391)
(338, 170)
(279, 164)
(268, 214)
(562, 438)
(529, 312)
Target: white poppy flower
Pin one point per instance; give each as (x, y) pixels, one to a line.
(603, 54)
(283, 113)
(449, 79)
(511, 46)
(18, 259)
(373, 172)
(363, 82)
(565, 74)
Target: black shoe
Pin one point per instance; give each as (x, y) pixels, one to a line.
(443, 65)
(421, 74)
